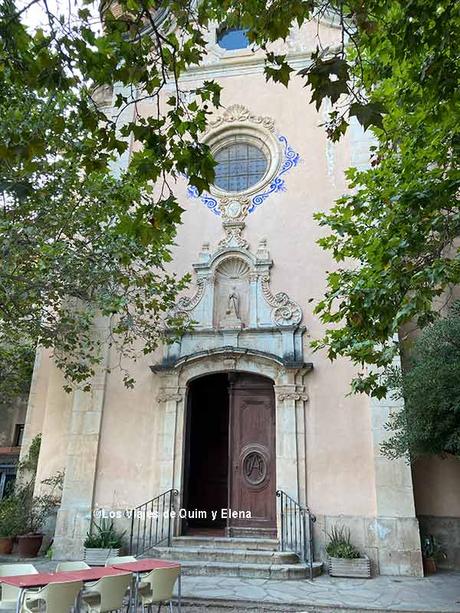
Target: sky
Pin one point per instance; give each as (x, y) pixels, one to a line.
(35, 16)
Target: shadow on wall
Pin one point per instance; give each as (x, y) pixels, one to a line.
(437, 502)
(446, 531)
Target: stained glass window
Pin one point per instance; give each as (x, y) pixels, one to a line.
(239, 166)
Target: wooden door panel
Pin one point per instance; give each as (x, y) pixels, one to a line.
(252, 454)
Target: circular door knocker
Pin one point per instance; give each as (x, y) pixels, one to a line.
(254, 463)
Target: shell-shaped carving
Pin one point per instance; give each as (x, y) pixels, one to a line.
(233, 268)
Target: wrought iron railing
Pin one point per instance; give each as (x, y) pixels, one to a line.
(152, 523)
(296, 529)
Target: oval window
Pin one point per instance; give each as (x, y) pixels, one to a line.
(239, 167)
(232, 38)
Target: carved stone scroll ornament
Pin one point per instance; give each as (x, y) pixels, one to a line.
(233, 236)
(186, 304)
(285, 312)
(237, 113)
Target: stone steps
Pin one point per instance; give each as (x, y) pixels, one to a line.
(225, 554)
(235, 557)
(224, 541)
(253, 571)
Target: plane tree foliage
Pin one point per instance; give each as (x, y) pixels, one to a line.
(86, 234)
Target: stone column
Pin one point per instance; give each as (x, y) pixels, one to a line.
(395, 531)
(169, 437)
(179, 448)
(74, 515)
(170, 442)
(288, 460)
(290, 441)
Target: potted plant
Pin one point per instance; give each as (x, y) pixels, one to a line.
(35, 510)
(23, 515)
(9, 524)
(432, 553)
(102, 542)
(344, 559)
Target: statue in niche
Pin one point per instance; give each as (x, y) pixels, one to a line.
(232, 319)
(233, 305)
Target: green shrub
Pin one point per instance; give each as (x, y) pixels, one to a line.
(431, 548)
(340, 545)
(32, 511)
(430, 387)
(10, 516)
(103, 536)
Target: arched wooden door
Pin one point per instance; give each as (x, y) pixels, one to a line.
(252, 456)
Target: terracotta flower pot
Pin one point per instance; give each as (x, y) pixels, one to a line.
(29, 545)
(6, 545)
(429, 566)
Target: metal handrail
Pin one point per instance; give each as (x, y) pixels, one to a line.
(152, 523)
(296, 529)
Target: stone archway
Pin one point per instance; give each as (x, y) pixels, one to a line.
(290, 399)
(230, 457)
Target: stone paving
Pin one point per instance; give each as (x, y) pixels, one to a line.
(438, 593)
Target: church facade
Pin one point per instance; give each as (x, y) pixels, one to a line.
(241, 407)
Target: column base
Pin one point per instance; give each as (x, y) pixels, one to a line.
(392, 543)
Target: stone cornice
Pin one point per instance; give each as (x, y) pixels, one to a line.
(233, 353)
(237, 66)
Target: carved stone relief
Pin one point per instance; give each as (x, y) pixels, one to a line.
(233, 304)
(285, 311)
(233, 236)
(185, 305)
(254, 468)
(239, 113)
(234, 278)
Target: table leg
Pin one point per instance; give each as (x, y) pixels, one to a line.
(179, 590)
(20, 600)
(130, 597)
(77, 607)
(136, 591)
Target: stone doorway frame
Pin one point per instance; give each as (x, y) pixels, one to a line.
(290, 413)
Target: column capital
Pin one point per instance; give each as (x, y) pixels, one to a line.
(169, 395)
(291, 392)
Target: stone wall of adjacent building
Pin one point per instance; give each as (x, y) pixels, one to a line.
(437, 502)
(12, 419)
(12, 414)
(446, 530)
